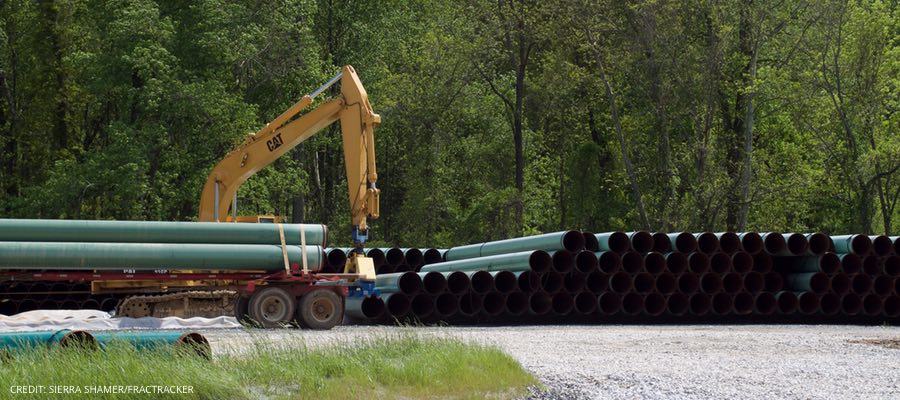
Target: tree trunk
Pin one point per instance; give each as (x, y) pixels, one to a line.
(298, 206)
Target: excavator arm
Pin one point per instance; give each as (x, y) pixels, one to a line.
(288, 130)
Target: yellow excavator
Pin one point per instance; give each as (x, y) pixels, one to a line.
(259, 149)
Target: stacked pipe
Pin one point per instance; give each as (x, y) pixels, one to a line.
(581, 276)
(71, 245)
(386, 260)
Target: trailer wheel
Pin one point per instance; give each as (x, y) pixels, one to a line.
(271, 307)
(241, 307)
(320, 309)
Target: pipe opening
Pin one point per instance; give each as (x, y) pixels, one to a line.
(394, 256)
(643, 282)
(597, 282)
(751, 242)
(819, 243)
(493, 303)
(336, 257)
(539, 303)
(677, 304)
(84, 340)
(397, 304)
(377, 257)
(654, 304)
(829, 263)
(700, 304)
(830, 304)
(707, 242)
(787, 302)
(609, 303)
(666, 283)
(654, 262)
(372, 307)
(742, 262)
(808, 303)
(614, 241)
(516, 303)
(585, 303)
(851, 304)
(840, 284)
(872, 305)
(528, 281)
(688, 283)
(892, 266)
(754, 282)
(860, 284)
(409, 283)
(661, 243)
(434, 282)
(563, 303)
(892, 306)
(765, 304)
(432, 256)
(632, 304)
(698, 263)
(590, 242)
(729, 242)
(573, 241)
(620, 282)
(540, 261)
(676, 263)
(762, 262)
(552, 282)
(457, 282)
(882, 285)
(710, 283)
(422, 305)
(505, 281)
(743, 303)
(773, 242)
(732, 283)
(720, 263)
(684, 242)
(641, 241)
(722, 303)
(445, 305)
(797, 244)
(632, 262)
(861, 244)
(574, 282)
(609, 262)
(469, 304)
(482, 281)
(586, 262)
(413, 257)
(563, 261)
(872, 265)
(850, 263)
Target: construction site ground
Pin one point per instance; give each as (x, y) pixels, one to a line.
(660, 361)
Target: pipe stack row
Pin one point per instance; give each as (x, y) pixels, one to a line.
(581, 276)
(386, 260)
(22, 296)
(141, 340)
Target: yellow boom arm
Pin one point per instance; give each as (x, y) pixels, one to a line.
(358, 121)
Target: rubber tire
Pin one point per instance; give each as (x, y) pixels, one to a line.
(241, 307)
(305, 315)
(271, 293)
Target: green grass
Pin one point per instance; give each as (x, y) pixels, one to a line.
(400, 367)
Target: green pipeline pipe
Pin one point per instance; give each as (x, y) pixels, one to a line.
(408, 283)
(815, 282)
(566, 240)
(535, 260)
(368, 307)
(61, 338)
(855, 244)
(151, 340)
(59, 230)
(152, 256)
(617, 242)
(828, 263)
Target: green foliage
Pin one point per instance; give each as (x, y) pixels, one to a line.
(119, 109)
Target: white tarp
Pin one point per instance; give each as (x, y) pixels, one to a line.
(93, 320)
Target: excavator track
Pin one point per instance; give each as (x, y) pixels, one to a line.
(208, 304)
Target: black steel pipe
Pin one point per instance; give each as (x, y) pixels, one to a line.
(597, 282)
(586, 262)
(397, 304)
(620, 282)
(796, 245)
(808, 303)
(8, 307)
(743, 303)
(528, 281)
(457, 282)
(830, 304)
(765, 304)
(773, 242)
(815, 282)
(413, 257)
(710, 283)
(840, 283)
(850, 263)
(698, 263)
(445, 305)
(720, 263)
(661, 242)
(729, 242)
(751, 242)
(892, 265)
(872, 265)
(336, 257)
(552, 282)
(539, 303)
(741, 262)
(654, 262)
(563, 261)
(722, 303)
(762, 262)
(892, 306)
(505, 281)
(613, 241)
(562, 303)
(364, 307)
(609, 303)
(433, 256)
(632, 303)
(819, 243)
(677, 304)
(666, 283)
(422, 305)
(516, 303)
(574, 282)
(643, 282)
(433, 282)
(654, 304)
(482, 281)
(493, 303)
(632, 262)
(608, 262)
(684, 242)
(641, 241)
(754, 282)
(773, 282)
(707, 242)
(393, 256)
(700, 304)
(851, 304)
(883, 285)
(732, 282)
(585, 303)
(860, 284)
(787, 302)
(676, 262)
(856, 244)
(408, 283)
(688, 283)
(872, 305)
(828, 263)
(377, 256)
(470, 304)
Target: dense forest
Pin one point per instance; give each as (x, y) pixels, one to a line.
(500, 118)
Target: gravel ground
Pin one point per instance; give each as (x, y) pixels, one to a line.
(668, 362)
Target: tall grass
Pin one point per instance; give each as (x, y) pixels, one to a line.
(397, 367)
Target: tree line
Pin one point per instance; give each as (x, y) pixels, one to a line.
(500, 118)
